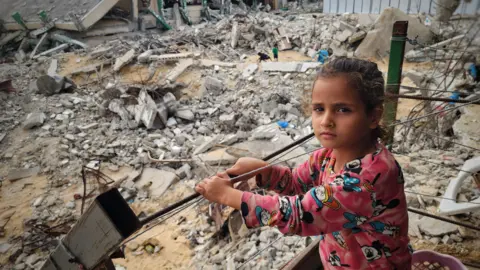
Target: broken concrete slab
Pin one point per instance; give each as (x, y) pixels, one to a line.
(181, 66)
(208, 144)
(344, 35)
(289, 66)
(124, 60)
(147, 112)
(52, 69)
(435, 227)
(377, 41)
(210, 63)
(34, 119)
(155, 181)
(249, 70)
(17, 174)
(170, 57)
(218, 157)
(357, 37)
(67, 40)
(430, 52)
(91, 68)
(117, 106)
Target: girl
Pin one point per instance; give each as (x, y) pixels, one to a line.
(350, 192)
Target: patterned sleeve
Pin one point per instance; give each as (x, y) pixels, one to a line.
(286, 181)
(345, 203)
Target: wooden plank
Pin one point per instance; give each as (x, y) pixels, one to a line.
(309, 258)
(40, 43)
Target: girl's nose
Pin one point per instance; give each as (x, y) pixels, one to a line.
(327, 120)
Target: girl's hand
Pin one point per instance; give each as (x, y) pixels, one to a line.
(245, 165)
(214, 188)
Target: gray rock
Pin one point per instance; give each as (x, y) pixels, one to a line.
(185, 114)
(204, 130)
(213, 85)
(357, 37)
(344, 35)
(34, 120)
(38, 201)
(20, 266)
(171, 122)
(266, 236)
(228, 119)
(32, 260)
(184, 171)
(170, 102)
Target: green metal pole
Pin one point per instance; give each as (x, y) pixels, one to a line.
(18, 18)
(395, 63)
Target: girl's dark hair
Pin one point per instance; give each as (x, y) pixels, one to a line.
(363, 76)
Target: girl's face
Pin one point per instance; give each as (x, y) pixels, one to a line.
(339, 118)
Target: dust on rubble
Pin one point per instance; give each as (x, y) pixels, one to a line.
(467, 251)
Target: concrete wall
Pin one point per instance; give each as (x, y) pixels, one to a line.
(408, 6)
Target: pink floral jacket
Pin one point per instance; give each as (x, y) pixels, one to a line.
(360, 212)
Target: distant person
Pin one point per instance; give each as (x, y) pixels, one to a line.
(263, 57)
(323, 55)
(275, 52)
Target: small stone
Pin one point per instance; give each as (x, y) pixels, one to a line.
(447, 240)
(171, 122)
(32, 259)
(70, 205)
(219, 258)
(228, 119)
(34, 120)
(157, 249)
(456, 238)
(204, 130)
(20, 266)
(435, 240)
(38, 201)
(185, 114)
(64, 162)
(132, 246)
(113, 168)
(70, 137)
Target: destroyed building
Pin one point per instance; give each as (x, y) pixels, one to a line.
(150, 97)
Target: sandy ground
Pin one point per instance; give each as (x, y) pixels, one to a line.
(176, 254)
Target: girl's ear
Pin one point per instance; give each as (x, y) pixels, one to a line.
(376, 117)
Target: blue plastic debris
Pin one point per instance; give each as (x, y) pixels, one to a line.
(282, 124)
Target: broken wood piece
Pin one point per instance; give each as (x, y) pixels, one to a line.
(17, 174)
(71, 41)
(51, 51)
(166, 160)
(9, 37)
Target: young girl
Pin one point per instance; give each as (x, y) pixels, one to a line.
(350, 192)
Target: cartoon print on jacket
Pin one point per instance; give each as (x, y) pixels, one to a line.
(263, 216)
(304, 186)
(334, 260)
(349, 183)
(376, 251)
(385, 228)
(304, 216)
(285, 208)
(354, 222)
(323, 195)
(354, 166)
(339, 238)
(369, 186)
(282, 184)
(379, 207)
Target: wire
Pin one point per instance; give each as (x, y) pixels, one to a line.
(448, 140)
(259, 252)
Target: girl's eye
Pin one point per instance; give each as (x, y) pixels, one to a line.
(318, 109)
(344, 110)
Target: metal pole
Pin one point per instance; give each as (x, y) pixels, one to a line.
(397, 50)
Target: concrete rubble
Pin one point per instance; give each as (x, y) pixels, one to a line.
(176, 106)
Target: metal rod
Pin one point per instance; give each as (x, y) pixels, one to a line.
(195, 195)
(395, 63)
(388, 95)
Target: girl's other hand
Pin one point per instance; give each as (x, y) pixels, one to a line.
(245, 165)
